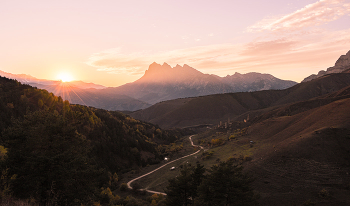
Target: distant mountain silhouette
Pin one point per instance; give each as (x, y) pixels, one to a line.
(159, 83)
(163, 82)
(342, 64)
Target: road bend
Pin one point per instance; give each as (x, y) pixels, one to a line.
(155, 192)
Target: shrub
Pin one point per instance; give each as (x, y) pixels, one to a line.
(217, 141)
(247, 158)
(207, 155)
(324, 193)
(232, 137)
(123, 187)
(309, 203)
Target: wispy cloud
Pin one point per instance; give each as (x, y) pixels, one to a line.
(285, 54)
(267, 56)
(313, 14)
(115, 62)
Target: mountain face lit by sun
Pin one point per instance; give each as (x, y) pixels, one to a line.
(65, 77)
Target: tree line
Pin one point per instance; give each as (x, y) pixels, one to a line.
(223, 184)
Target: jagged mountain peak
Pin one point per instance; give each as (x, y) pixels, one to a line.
(166, 65)
(344, 60)
(342, 64)
(167, 74)
(163, 82)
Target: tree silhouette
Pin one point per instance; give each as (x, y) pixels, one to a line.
(50, 160)
(225, 185)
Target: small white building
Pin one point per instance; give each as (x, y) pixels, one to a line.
(166, 159)
(172, 168)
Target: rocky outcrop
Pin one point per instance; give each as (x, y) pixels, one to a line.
(342, 64)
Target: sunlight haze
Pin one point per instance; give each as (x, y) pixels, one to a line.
(113, 42)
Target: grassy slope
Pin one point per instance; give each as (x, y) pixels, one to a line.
(303, 154)
(293, 157)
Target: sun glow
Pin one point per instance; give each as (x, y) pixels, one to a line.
(65, 77)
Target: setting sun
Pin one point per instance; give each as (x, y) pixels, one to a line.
(65, 77)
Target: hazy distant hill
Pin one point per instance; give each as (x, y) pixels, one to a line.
(99, 98)
(214, 108)
(163, 82)
(27, 79)
(342, 64)
(79, 92)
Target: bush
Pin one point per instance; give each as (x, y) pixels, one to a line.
(136, 187)
(217, 141)
(309, 203)
(232, 137)
(123, 187)
(207, 155)
(324, 193)
(247, 158)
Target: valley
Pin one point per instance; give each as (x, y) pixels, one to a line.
(293, 158)
(294, 143)
(175, 103)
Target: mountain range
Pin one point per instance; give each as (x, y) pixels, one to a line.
(159, 83)
(163, 82)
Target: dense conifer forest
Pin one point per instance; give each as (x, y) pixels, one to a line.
(56, 153)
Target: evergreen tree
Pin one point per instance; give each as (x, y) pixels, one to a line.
(179, 188)
(197, 177)
(225, 185)
(50, 160)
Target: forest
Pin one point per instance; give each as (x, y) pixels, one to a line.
(57, 153)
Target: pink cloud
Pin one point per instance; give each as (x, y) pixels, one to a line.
(313, 14)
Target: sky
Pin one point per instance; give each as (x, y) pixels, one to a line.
(112, 42)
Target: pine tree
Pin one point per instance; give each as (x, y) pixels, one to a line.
(179, 188)
(50, 160)
(225, 185)
(197, 177)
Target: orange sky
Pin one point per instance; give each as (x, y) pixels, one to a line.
(113, 42)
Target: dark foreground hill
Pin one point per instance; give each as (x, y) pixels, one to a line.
(214, 108)
(56, 153)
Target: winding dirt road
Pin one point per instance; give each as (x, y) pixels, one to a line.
(150, 191)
